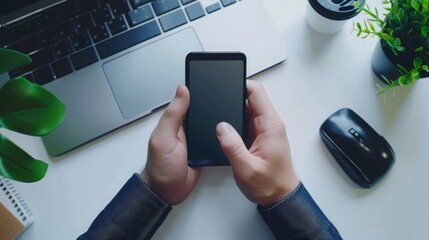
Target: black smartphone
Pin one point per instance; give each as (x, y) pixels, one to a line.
(217, 86)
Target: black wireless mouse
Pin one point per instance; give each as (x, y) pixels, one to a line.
(361, 152)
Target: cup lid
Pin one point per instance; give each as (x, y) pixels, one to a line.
(337, 9)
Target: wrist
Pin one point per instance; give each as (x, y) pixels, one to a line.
(281, 193)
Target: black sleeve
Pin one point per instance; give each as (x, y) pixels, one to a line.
(134, 213)
(297, 216)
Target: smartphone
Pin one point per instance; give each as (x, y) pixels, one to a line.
(217, 86)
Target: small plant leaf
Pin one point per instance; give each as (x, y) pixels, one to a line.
(359, 26)
(11, 60)
(400, 48)
(415, 5)
(402, 81)
(419, 49)
(415, 75)
(417, 62)
(425, 30)
(426, 68)
(371, 26)
(16, 164)
(28, 108)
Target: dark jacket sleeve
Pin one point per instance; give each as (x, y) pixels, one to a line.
(134, 213)
(297, 216)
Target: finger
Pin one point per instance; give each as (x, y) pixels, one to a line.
(172, 118)
(233, 146)
(193, 175)
(258, 100)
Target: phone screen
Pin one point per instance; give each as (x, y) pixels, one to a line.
(217, 86)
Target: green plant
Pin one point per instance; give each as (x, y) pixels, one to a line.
(26, 108)
(404, 30)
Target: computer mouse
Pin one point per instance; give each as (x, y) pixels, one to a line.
(363, 154)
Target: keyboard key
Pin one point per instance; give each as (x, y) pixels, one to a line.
(128, 39)
(163, 6)
(119, 7)
(29, 77)
(60, 13)
(137, 3)
(43, 75)
(99, 33)
(172, 20)
(80, 40)
(195, 11)
(213, 8)
(83, 6)
(26, 46)
(65, 30)
(53, 15)
(62, 68)
(227, 2)
(47, 37)
(184, 2)
(117, 25)
(139, 15)
(84, 58)
(4, 39)
(25, 28)
(83, 22)
(40, 58)
(62, 49)
(101, 14)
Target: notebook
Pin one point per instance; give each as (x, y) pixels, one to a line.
(115, 61)
(15, 216)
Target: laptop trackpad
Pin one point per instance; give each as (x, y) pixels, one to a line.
(147, 78)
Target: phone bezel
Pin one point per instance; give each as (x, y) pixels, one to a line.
(215, 56)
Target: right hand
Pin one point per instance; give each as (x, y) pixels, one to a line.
(264, 173)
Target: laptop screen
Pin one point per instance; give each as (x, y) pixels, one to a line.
(8, 6)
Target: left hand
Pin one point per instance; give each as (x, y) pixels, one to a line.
(167, 172)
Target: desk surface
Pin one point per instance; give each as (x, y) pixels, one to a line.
(321, 75)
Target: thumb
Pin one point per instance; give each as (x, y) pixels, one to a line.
(233, 146)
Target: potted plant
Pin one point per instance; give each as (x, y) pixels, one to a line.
(401, 57)
(27, 108)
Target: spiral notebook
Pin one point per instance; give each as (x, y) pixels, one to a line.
(15, 216)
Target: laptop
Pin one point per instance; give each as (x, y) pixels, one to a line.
(115, 61)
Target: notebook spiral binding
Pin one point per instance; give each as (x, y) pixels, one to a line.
(18, 203)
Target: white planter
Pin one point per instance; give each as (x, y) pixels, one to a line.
(327, 17)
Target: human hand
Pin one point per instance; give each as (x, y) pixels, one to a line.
(264, 173)
(167, 172)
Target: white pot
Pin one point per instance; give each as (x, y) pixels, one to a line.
(327, 17)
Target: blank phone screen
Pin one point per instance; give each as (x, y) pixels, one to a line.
(217, 90)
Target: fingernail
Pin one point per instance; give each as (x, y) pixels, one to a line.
(223, 129)
(179, 92)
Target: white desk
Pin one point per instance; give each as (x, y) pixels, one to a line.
(321, 75)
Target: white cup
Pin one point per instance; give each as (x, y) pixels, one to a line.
(329, 16)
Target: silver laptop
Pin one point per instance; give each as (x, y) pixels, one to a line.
(114, 61)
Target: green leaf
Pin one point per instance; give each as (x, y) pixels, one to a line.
(371, 26)
(415, 5)
(16, 164)
(424, 30)
(400, 48)
(28, 108)
(10, 60)
(419, 49)
(397, 42)
(405, 80)
(417, 62)
(426, 68)
(359, 26)
(415, 75)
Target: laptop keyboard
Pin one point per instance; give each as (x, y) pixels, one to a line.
(77, 33)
